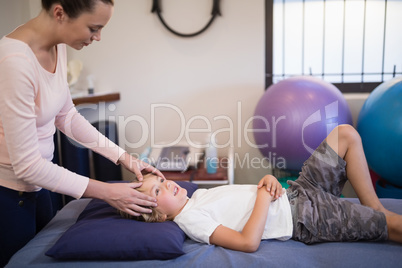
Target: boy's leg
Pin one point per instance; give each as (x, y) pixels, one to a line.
(346, 142)
(394, 223)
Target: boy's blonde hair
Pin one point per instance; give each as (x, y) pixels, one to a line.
(155, 216)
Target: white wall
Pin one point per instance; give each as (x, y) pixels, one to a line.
(14, 13)
(217, 75)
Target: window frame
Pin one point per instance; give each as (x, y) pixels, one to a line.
(356, 87)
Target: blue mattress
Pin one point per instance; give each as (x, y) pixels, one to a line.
(271, 253)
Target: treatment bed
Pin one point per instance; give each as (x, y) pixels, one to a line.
(271, 253)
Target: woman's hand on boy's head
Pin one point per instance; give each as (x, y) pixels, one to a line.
(124, 197)
(272, 186)
(147, 168)
(137, 166)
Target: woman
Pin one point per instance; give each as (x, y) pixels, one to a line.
(34, 99)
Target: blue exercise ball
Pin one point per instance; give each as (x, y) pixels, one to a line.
(380, 127)
(294, 116)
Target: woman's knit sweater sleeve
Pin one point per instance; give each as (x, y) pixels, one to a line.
(75, 126)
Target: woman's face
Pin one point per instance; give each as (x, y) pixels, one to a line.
(81, 31)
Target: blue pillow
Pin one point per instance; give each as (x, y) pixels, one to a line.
(101, 233)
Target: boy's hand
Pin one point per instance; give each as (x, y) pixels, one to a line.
(272, 185)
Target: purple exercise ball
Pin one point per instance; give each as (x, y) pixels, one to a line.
(294, 116)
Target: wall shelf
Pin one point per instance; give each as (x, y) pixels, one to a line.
(96, 98)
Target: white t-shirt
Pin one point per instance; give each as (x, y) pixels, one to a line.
(231, 206)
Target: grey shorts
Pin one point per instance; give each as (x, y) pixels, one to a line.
(319, 214)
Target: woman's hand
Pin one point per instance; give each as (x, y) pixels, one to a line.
(273, 186)
(136, 166)
(122, 196)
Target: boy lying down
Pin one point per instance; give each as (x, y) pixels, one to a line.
(238, 217)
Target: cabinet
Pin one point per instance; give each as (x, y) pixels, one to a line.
(96, 98)
(199, 175)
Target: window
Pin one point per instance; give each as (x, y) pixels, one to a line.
(354, 44)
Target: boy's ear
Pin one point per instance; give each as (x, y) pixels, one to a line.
(162, 217)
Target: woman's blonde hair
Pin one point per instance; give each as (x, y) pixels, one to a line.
(155, 216)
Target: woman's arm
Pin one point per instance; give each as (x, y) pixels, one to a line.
(75, 126)
(249, 239)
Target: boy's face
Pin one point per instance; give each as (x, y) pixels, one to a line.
(170, 197)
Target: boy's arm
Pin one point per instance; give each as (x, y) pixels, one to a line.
(249, 239)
